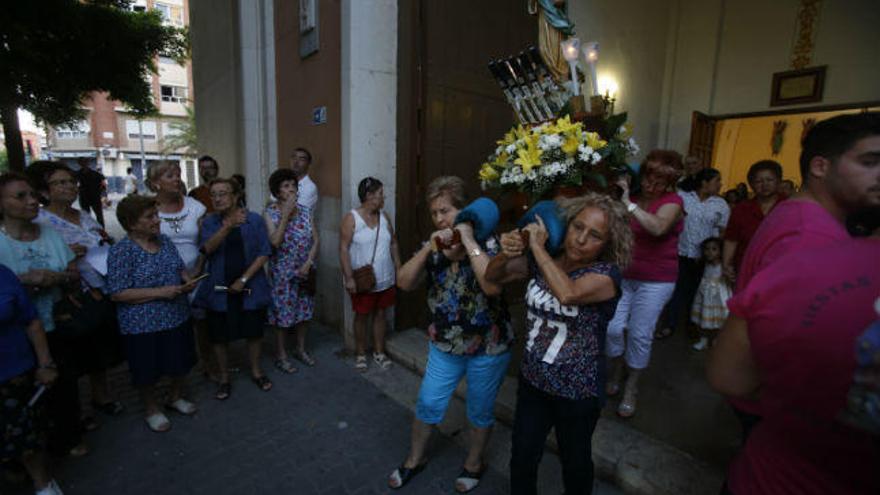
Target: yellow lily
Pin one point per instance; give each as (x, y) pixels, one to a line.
(501, 160)
(530, 156)
(594, 141)
(570, 145)
(488, 173)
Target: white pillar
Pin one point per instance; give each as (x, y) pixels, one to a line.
(369, 105)
(259, 144)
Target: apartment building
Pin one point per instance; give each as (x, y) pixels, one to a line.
(115, 139)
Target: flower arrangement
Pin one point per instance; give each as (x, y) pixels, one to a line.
(558, 153)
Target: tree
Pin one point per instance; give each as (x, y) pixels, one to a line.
(54, 54)
(184, 136)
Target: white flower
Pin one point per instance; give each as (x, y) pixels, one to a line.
(510, 149)
(549, 142)
(584, 153)
(499, 150)
(595, 158)
(632, 147)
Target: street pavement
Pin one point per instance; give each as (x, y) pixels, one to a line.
(323, 430)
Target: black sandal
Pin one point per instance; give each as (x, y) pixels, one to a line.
(468, 479)
(224, 390)
(262, 382)
(405, 474)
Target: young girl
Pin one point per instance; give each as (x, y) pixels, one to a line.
(710, 305)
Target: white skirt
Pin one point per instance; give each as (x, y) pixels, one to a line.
(710, 305)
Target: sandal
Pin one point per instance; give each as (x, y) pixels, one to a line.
(158, 422)
(112, 408)
(285, 366)
(403, 475)
(262, 382)
(224, 390)
(663, 333)
(468, 480)
(360, 363)
(304, 357)
(382, 360)
(89, 423)
(182, 406)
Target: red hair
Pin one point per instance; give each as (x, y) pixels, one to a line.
(665, 164)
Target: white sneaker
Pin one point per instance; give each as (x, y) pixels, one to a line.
(51, 489)
(701, 344)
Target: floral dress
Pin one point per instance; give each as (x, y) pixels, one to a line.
(291, 302)
(464, 320)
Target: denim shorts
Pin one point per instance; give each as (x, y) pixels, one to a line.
(442, 374)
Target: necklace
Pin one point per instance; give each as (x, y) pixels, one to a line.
(176, 222)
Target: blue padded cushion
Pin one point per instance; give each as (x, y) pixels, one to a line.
(553, 219)
(483, 214)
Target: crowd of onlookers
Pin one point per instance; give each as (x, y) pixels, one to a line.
(780, 285)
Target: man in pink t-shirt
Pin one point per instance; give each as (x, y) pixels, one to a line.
(840, 168)
(791, 342)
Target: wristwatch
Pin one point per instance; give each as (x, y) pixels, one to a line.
(631, 207)
(475, 252)
(243, 280)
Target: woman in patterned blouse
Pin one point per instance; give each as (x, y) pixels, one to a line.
(470, 332)
(570, 298)
(148, 280)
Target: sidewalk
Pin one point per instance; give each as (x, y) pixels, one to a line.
(324, 430)
(637, 462)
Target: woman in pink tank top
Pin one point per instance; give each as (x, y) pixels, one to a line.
(656, 221)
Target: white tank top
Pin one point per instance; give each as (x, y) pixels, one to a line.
(361, 250)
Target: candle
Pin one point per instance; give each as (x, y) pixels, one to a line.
(570, 48)
(591, 55)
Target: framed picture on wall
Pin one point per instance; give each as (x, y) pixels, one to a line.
(798, 86)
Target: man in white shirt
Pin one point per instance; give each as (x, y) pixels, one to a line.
(300, 161)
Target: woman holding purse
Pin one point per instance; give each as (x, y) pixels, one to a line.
(369, 257)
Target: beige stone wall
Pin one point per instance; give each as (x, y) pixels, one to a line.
(672, 57)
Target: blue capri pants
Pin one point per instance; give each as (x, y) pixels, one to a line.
(442, 374)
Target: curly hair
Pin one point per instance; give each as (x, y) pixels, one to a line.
(666, 164)
(618, 247)
(279, 177)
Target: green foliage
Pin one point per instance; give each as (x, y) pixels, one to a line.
(4, 161)
(186, 137)
(53, 55)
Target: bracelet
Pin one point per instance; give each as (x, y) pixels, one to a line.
(631, 207)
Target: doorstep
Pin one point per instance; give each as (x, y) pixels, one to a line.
(632, 460)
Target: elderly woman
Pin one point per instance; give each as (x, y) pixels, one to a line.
(25, 365)
(366, 237)
(470, 332)
(181, 217)
(650, 280)
(149, 282)
(706, 216)
(764, 177)
(295, 239)
(44, 264)
(570, 299)
(236, 293)
(100, 348)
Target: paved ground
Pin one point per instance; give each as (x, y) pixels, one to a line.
(323, 430)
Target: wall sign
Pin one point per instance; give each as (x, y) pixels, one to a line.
(798, 86)
(319, 116)
(308, 27)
